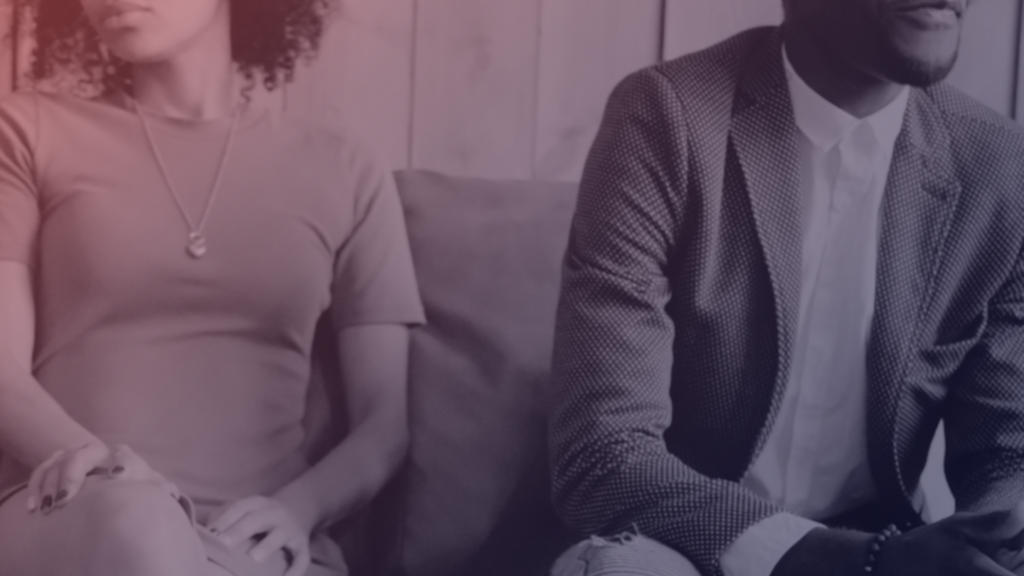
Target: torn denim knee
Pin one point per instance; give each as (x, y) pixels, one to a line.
(624, 554)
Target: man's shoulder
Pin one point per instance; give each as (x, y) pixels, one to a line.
(713, 72)
(722, 61)
(695, 90)
(976, 131)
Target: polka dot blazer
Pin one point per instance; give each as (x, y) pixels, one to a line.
(680, 287)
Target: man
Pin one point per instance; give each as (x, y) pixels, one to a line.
(794, 254)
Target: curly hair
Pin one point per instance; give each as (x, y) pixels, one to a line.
(268, 38)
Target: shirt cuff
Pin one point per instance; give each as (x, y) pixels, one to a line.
(759, 549)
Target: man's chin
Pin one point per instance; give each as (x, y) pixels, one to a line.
(916, 70)
(918, 58)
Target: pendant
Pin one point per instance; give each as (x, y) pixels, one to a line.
(196, 245)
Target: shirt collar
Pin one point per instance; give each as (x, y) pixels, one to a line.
(825, 124)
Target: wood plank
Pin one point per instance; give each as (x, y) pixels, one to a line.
(753, 13)
(6, 53)
(987, 65)
(475, 87)
(1018, 109)
(581, 60)
(692, 25)
(362, 78)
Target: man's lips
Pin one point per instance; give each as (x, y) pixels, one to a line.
(957, 6)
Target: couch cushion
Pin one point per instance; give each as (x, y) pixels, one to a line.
(488, 257)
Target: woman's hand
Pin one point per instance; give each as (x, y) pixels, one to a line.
(269, 521)
(56, 481)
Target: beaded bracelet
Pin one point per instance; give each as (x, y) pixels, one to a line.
(876, 546)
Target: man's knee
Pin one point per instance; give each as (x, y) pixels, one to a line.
(621, 555)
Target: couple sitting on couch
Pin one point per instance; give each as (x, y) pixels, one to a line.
(786, 267)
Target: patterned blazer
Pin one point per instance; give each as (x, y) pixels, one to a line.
(679, 301)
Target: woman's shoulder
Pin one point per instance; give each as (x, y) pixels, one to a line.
(28, 107)
(331, 132)
(19, 108)
(349, 149)
(19, 117)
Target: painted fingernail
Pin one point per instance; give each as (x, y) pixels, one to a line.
(62, 496)
(31, 503)
(47, 502)
(117, 470)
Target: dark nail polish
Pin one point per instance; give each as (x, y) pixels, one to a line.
(47, 502)
(62, 496)
(117, 470)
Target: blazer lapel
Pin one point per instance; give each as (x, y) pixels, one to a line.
(764, 136)
(920, 198)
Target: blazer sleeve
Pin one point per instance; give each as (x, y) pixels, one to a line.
(612, 471)
(984, 413)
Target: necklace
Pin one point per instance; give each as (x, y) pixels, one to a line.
(196, 245)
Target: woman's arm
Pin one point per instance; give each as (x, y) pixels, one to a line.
(33, 426)
(374, 361)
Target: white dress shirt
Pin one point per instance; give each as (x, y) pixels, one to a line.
(815, 462)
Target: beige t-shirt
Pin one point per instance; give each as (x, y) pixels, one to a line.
(201, 366)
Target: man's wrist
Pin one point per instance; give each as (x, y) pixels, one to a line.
(823, 551)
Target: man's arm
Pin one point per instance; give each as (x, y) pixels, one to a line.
(984, 412)
(614, 343)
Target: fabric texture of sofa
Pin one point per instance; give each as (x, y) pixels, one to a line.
(473, 497)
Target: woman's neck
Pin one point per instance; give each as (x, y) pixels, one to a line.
(199, 81)
(170, 89)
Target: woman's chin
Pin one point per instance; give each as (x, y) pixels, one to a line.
(138, 52)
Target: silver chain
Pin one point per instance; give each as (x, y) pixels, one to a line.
(195, 230)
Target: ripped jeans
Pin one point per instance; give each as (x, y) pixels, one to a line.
(623, 555)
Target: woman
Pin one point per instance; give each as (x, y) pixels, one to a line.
(166, 249)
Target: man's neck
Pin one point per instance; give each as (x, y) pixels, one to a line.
(855, 91)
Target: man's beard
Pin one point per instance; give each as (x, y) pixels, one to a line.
(903, 68)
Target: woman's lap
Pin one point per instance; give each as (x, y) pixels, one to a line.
(110, 525)
(65, 540)
(626, 555)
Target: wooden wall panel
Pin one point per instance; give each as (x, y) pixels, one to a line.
(586, 47)
(363, 75)
(986, 68)
(6, 60)
(476, 65)
(692, 25)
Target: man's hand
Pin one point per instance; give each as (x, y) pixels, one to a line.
(270, 524)
(965, 544)
(970, 544)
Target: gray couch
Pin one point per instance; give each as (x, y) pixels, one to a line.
(473, 498)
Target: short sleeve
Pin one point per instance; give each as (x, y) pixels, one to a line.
(374, 278)
(19, 205)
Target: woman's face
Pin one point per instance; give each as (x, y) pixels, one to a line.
(141, 31)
